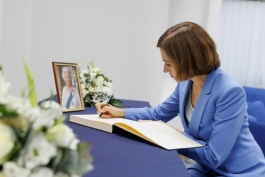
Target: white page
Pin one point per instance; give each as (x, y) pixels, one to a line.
(164, 135)
(158, 132)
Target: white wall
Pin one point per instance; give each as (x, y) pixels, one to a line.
(14, 28)
(241, 41)
(119, 36)
(1, 19)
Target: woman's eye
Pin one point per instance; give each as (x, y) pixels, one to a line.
(169, 65)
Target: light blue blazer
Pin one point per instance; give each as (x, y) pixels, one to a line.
(219, 121)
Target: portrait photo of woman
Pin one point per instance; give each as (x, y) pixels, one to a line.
(70, 95)
(68, 88)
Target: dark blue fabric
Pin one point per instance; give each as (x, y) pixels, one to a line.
(122, 154)
(258, 131)
(257, 110)
(255, 94)
(69, 100)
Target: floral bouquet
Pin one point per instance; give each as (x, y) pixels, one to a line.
(34, 141)
(96, 87)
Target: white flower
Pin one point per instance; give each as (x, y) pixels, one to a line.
(42, 172)
(74, 175)
(39, 152)
(60, 174)
(85, 71)
(100, 80)
(96, 99)
(106, 90)
(62, 136)
(24, 147)
(99, 88)
(83, 80)
(91, 89)
(11, 169)
(108, 84)
(7, 139)
(84, 92)
(50, 112)
(23, 107)
(83, 85)
(81, 76)
(96, 69)
(92, 76)
(105, 98)
(4, 86)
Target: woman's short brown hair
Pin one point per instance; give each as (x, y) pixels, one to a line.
(191, 48)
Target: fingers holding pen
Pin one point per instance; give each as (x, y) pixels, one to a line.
(99, 107)
(109, 111)
(103, 110)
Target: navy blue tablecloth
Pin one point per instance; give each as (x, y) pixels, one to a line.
(122, 154)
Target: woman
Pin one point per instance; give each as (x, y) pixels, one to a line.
(70, 95)
(211, 104)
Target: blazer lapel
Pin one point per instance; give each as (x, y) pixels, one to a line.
(202, 103)
(184, 93)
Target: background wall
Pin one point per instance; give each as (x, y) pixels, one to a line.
(241, 41)
(119, 36)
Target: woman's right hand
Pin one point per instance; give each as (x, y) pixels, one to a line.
(109, 111)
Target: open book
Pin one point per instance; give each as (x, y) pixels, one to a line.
(155, 132)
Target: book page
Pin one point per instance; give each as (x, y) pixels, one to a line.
(164, 135)
(154, 131)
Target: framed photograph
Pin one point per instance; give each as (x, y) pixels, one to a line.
(68, 87)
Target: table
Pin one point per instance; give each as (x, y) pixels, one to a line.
(122, 154)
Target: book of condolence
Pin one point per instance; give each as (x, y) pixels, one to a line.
(155, 132)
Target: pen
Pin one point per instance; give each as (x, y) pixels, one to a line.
(107, 102)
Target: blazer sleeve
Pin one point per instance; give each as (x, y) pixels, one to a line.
(165, 111)
(228, 121)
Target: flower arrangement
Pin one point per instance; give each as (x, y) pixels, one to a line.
(96, 87)
(34, 141)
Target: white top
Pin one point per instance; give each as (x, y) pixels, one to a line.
(188, 108)
(75, 102)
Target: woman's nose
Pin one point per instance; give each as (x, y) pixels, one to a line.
(165, 69)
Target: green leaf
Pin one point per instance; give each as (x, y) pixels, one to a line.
(60, 120)
(92, 104)
(32, 95)
(87, 98)
(91, 65)
(6, 113)
(117, 103)
(23, 93)
(100, 75)
(35, 152)
(15, 152)
(87, 81)
(51, 96)
(57, 159)
(28, 136)
(76, 162)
